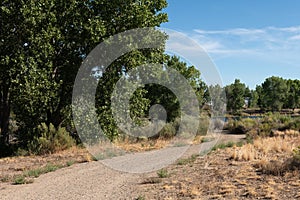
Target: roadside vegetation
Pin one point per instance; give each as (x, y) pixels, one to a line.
(267, 166)
(51, 40)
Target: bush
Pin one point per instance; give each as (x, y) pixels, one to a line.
(50, 140)
(168, 131)
(263, 126)
(242, 126)
(296, 157)
(163, 173)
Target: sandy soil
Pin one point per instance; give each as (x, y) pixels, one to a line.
(94, 180)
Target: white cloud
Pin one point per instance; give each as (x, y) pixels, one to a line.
(295, 37)
(237, 31)
(291, 29)
(249, 41)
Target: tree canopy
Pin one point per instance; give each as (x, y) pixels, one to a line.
(42, 46)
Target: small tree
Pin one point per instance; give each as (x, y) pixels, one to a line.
(235, 94)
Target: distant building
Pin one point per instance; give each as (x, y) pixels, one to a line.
(247, 102)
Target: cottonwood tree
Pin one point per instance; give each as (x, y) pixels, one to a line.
(43, 44)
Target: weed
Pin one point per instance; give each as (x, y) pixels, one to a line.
(205, 140)
(152, 180)
(37, 172)
(70, 163)
(223, 145)
(141, 197)
(163, 173)
(20, 179)
(185, 161)
(5, 179)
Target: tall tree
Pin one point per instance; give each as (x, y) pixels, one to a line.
(254, 97)
(235, 94)
(43, 44)
(293, 96)
(273, 93)
(12, 40)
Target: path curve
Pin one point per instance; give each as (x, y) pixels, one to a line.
(94, 180)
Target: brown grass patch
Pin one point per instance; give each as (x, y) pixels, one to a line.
(264, 147)
(272, 155)
(142, 145)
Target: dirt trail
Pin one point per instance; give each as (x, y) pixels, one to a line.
(94, 180)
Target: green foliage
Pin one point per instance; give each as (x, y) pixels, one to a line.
(19, 180)
(254, 97)
(189, 160)
(297, 154)
(243, 125)
(43, 170)
(292, 99)
(235, 94)
(169, 130)
(49, 140)
(163, 173)
(295, 163)
(264, 126)
(141, 197)
(70, 163)
(144, 97)
(273, 93)
(203, 125)
(223, 145)
(44, 43)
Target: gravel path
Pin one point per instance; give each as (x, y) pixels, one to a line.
(95, 180)
(82, 181)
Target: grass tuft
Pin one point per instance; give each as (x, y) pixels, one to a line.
(185, 161)
(163, 173)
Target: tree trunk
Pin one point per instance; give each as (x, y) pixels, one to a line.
(4, 114)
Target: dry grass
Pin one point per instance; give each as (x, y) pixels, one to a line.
(286, 133)
(140, 146)
(13, 167)
(263, 147)
(272, 155)
(255, 171)
(274, 145)
(246, 153)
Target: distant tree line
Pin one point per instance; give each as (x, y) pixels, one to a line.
(274, 94)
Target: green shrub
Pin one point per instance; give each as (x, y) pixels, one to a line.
(20, 179)
(296, 155)
(223, 145)
(294, 124)
(263, 126)
(50, 140)
(242, 125)
(168, 131)
(189, 160)
(163, 173)
(188, 126)
(141, 197)
(203, 125)
(42, 170)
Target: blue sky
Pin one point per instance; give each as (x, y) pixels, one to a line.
(246, 39)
